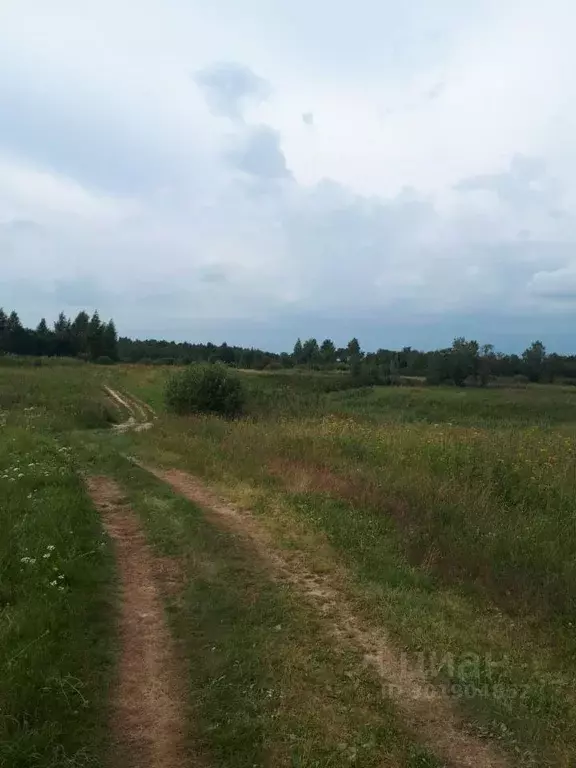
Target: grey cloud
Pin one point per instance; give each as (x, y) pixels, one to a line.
(214, 275)
(436, 91)
(78, 138)
(36, 297)
(525, 183)
(80, 292)
(363, 248)
(229, 88)
(257, 151)
(21, 227)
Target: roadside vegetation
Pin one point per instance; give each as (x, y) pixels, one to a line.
(205, 388)
(56, 572)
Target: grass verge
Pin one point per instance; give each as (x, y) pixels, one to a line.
(55, 634)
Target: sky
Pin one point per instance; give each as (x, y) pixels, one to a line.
(257, 170)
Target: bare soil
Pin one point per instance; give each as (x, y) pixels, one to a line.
(139, 415)
(149, 706)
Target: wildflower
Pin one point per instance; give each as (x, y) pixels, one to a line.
(53, 583)
(51, 547)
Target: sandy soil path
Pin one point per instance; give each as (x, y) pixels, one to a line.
(139, 413)
(149, 709)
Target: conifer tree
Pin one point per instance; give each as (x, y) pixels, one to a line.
(62, 336)
(15, 334)
(110, 341)
(79, 334)
(95, 336)
(3, 331)
(44, 340)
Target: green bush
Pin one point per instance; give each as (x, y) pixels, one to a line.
(205, 388)
(104, 360)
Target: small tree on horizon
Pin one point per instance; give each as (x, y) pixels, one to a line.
(534, 360)
(328, 352)
(297, 353)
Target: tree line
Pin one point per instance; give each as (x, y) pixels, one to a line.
(465, 362)
(84, 337)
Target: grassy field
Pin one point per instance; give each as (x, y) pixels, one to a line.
(453, 512)
(55, 574)
(449, 515)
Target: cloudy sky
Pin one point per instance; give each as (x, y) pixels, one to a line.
(255, 170)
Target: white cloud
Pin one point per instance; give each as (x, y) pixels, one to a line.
(40, 194)
(558, 284)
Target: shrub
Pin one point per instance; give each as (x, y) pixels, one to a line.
(104, 360)
(205, 388)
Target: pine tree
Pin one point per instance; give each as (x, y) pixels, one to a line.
(79, 334)
(94, 337)
(3, 331)
(62, 336)
(110, 341)
(44, 341)
(15, 334)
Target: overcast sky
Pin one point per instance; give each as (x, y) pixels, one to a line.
(254, 170)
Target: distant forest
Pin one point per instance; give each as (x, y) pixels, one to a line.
(84, 337)
(465, 362)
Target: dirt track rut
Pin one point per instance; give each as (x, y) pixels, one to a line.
(149, 711)
(139, 413)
